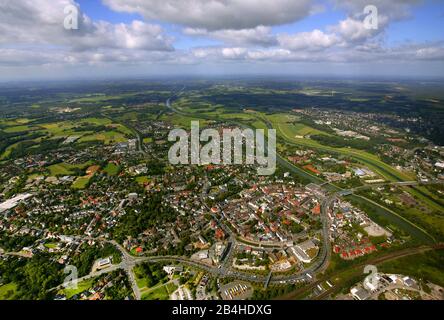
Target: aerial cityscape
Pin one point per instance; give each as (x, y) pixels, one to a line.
(221, 150)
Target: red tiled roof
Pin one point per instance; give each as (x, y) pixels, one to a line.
(316, 210)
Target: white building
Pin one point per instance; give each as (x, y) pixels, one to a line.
(13, 202)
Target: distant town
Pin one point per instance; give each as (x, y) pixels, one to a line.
(91, 208)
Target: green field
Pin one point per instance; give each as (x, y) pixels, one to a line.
(111, 169)
(58, 128)
(235, 116)
(8, 151)
(97, 121)
(142, 180)
(297, 129)
(183, 121)
(115, 132)
(51, 245)
(387, 217)
(81, 286)
(14, 122)
(18, 129)
(428, 266)
(107, 137)
(81, 182)
(159, 292)
(141, 282)
(288, 126)
(8, 291)
(66, 169)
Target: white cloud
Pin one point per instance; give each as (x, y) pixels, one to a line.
(137, 35)
(354, 30)
(259, 36)
(314, 40)
(218, 14)
(32, 34)
(40, 22)
(366, 53)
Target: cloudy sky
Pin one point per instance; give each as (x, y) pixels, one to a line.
(126, 38)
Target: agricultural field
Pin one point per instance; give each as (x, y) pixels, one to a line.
(287, 125)
(20, 128)
(183, 121)
(107, 138)
(65, 169)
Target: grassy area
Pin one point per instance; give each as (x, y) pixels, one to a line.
(18, 129)
(81, 182)
(7, 291)
(147, 140)
(142, 180)
(432, 200)
(107, 137)
(141, 282)
(288, 126)
(171, 287)
(111, 169)
(59, 169)
(64, 169)
(51, 245)
(428, 266)
(417, 211)
(297, 129)
(99, 97)
(58, 128)
(8, 151)
(160, 293)
(236, 116)
(183, 121)
(81, 286)
(97, 121)
(388, 218)
(14, 122)
(116, 132)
